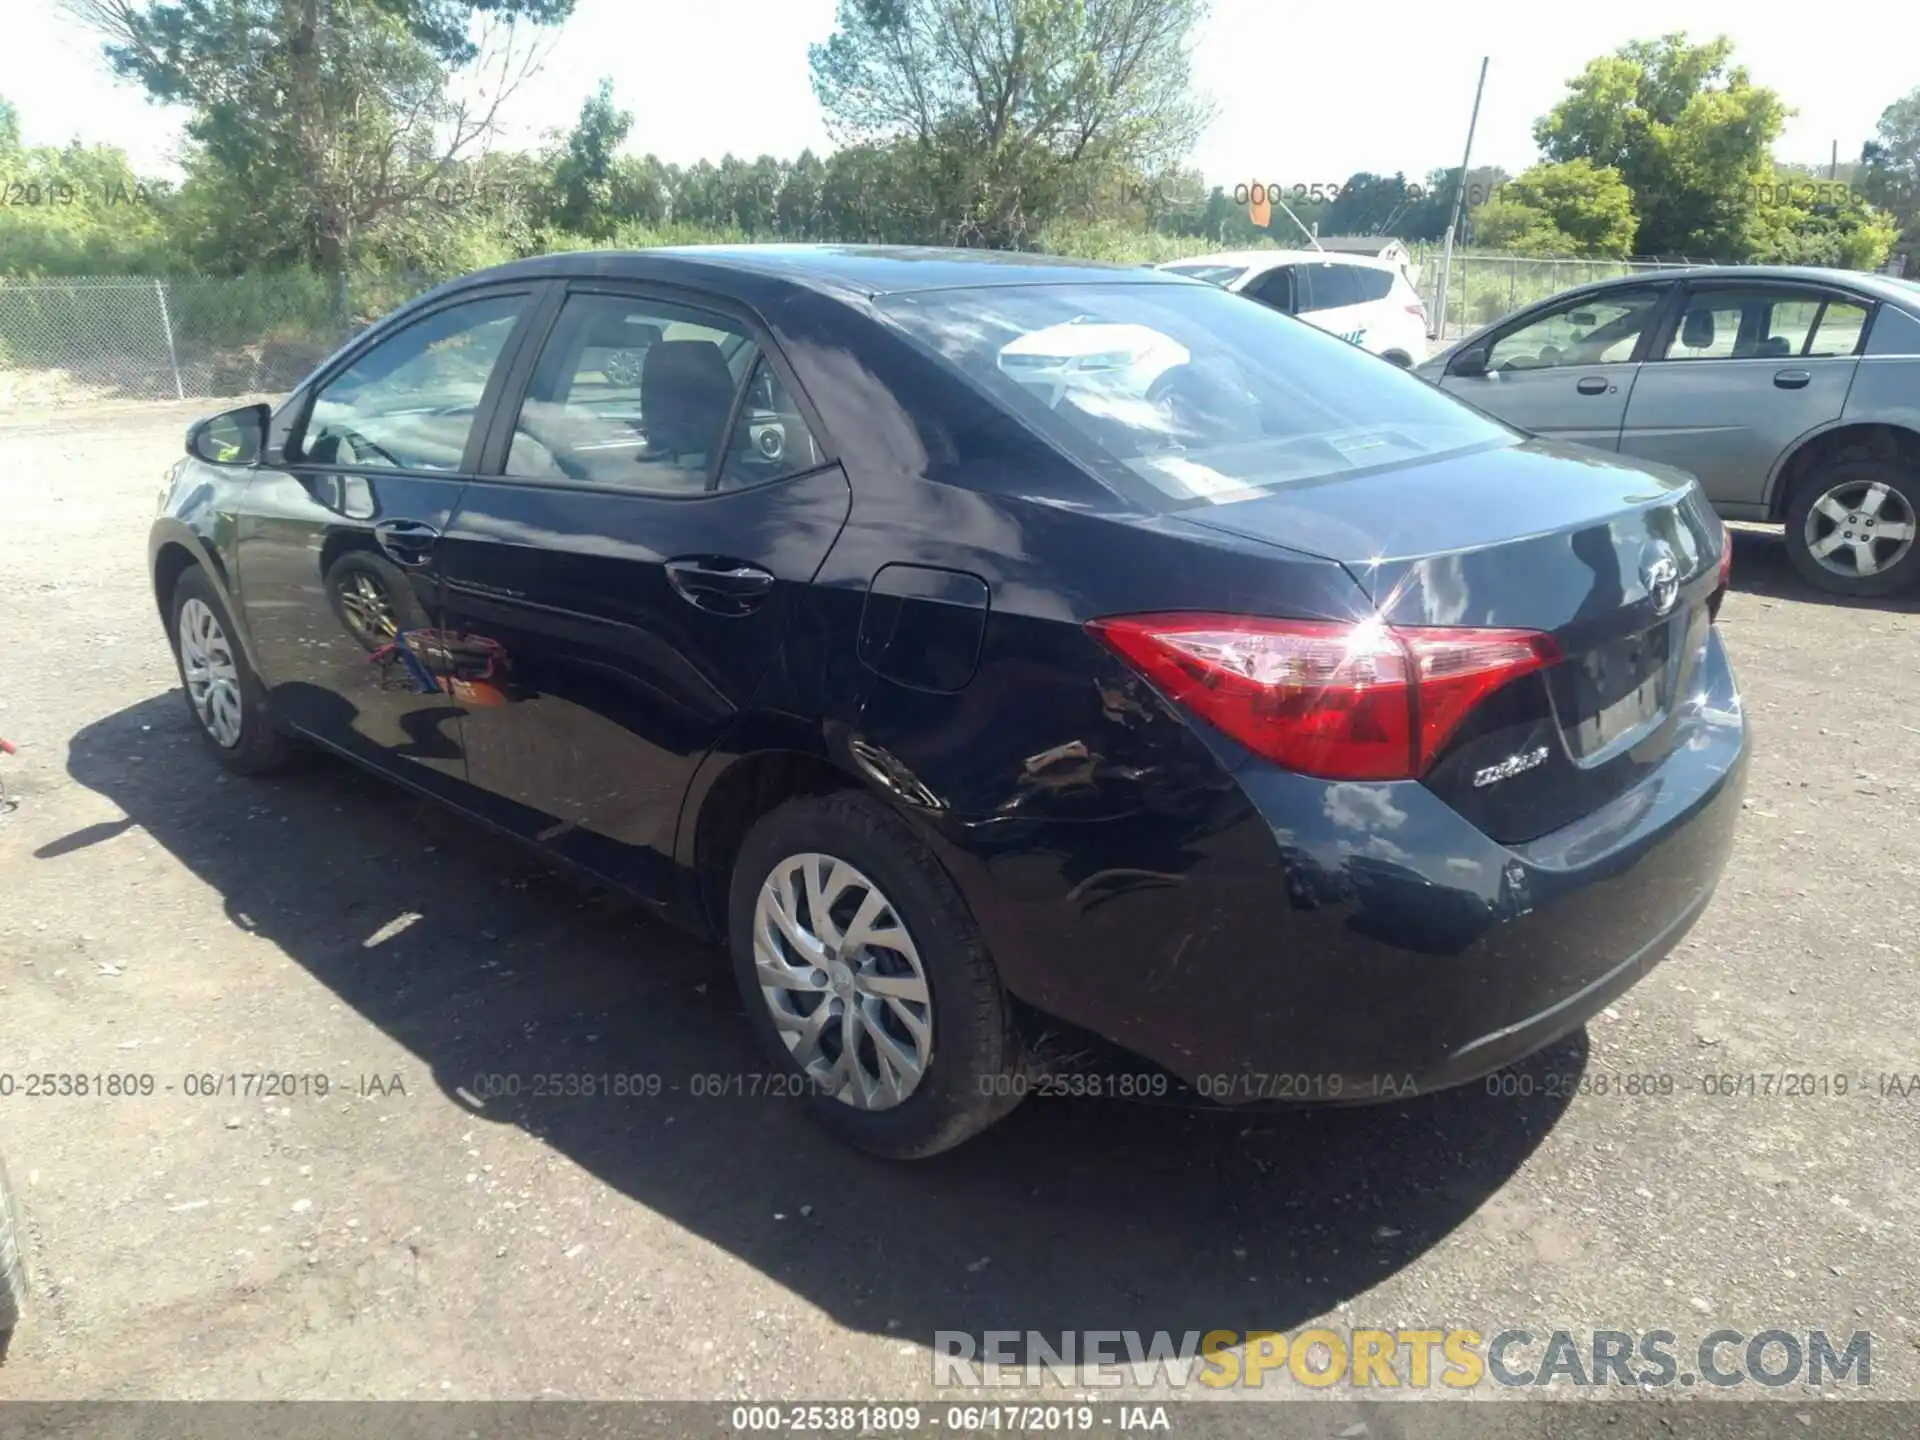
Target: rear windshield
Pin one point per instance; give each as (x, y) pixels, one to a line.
(1202, 395)
(1212, 274)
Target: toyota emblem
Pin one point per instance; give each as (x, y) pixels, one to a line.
(1662, 576)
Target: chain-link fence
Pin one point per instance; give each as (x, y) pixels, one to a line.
(78, 341)
(87, 340)
(1483, 287)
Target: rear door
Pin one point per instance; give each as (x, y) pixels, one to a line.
(337, 543)
(1567, 372)
(1742, 373)
(625, 572)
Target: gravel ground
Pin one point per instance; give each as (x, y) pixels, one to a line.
(393, 1239)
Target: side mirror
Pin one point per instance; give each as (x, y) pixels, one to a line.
(234, 437)
(1469, 364)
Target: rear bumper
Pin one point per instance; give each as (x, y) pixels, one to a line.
(1354, 942)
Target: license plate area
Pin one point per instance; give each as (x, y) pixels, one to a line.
(1606, 697)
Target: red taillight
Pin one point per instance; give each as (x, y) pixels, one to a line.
(1367, 701)
(1726, 557)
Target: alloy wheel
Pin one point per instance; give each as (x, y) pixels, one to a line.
(212, 677)
(1859, 528)
(843, 981)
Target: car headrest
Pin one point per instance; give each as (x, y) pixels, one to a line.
(1696, 331)
(1775, 347)
(686, 392)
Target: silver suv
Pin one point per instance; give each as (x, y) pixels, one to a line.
(1793, 394)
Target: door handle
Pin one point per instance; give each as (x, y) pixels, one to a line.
(725, 587)
(406, 542)
(1594, 385)
(1792, 379)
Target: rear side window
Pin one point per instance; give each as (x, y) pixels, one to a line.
(1325, 287)
(640, 395)
(1765, 324)
(1372, 284)
(1839, 329)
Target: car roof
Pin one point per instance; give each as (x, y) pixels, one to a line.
(1268, 259)
(1872, 281)
(861, 270)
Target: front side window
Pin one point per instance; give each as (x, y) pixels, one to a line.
(638, 394)
(1594, 330)
(1184, 395)
(408, 403)
(1274, 288)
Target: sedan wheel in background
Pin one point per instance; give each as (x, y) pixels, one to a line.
(866, 980)
(1851, 530)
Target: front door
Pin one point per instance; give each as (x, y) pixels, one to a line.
(336, 551)
(1567, 373)
(1747, 370)
(628, 575)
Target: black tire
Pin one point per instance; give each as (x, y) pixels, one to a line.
(262, 747)
(1891, 580)
(13, 1263)
(360, 567)
(974, 1073)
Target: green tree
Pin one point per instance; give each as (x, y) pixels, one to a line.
(316, 123)
(1017, 110)
(1572, 208)
(77, 209)
(1688, 132)
(1426, 217)
(799, 209)
(584, 170)
(1368, 204)
(1890, 168)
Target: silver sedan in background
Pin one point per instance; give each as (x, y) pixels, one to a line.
(1793, 394)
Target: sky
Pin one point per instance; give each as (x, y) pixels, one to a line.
(1303, 93)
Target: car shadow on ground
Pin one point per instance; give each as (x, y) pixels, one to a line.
(1072, 1214)
(1761, 567)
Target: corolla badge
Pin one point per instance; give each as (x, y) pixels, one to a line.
(1511, 766)
(1662, 577)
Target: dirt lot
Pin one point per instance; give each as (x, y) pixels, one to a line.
(394, 1240)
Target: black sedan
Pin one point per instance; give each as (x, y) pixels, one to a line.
(983, 645)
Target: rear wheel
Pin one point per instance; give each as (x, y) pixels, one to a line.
(1851, 529)
(866, 980)
(224, 696)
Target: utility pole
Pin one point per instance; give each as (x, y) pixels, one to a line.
(1833, 165)
(1459, 199)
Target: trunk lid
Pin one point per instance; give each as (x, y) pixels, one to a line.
(1618, 562)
